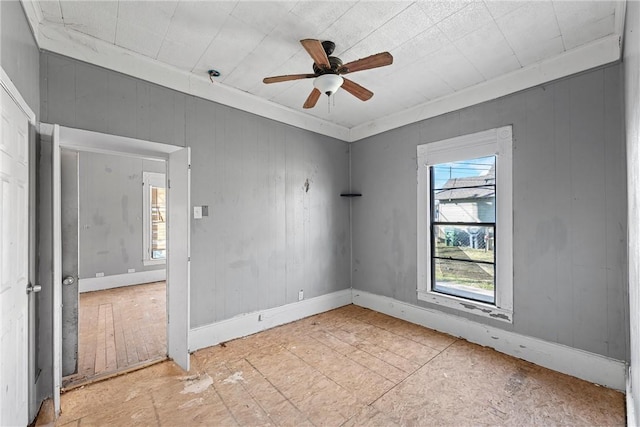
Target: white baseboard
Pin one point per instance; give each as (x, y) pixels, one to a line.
(247, 324)
(578, 363)
(119, 280)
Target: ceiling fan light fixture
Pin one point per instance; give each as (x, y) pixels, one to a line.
(328, 83)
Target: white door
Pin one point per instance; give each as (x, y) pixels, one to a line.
(14, 262)
(178, 256)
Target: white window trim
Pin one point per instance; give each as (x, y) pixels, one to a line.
(149, 179)
(496, 142)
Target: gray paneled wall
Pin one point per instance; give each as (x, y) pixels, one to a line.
(79, 95)
(570, 281)
(267, 235)
(19, 54)
(110, 223)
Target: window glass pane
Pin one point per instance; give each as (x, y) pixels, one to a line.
(463, 197)
(464, 243)
(465, 279)
(464, 191)
(158, 223)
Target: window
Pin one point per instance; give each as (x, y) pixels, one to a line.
(154, 218)
(465, 223)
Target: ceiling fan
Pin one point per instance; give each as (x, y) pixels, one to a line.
(328, 71)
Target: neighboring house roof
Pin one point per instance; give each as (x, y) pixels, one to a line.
(475, 187)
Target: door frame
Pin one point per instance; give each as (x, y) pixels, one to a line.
(88, 141)
(14, 93)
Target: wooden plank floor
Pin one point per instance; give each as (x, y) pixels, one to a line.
(120, 328)
(346, 367)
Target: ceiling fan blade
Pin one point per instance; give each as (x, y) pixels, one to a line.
(373, 61)
(356, 90)
(278, 79)
(316, 51)
(312, 99)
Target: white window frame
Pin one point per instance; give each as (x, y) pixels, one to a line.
(498, 142)
(155, 179)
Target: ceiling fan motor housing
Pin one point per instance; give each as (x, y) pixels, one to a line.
(328, 47)
(335, 63)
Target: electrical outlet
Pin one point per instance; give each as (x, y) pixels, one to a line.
(101, 274)
(131, 270)
(300, 295)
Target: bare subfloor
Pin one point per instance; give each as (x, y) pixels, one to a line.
(349, 367)
(120, 328)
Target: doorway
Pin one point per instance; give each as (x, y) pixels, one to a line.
(178, 232)
(119, 329)
(113, 264)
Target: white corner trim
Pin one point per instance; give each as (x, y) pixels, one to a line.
(249, 323)
(13, 92)
(594, 54)
(631, 411)
(578, 363)
(119, 280)
(34, 16)
(65, 41)
(619, 16)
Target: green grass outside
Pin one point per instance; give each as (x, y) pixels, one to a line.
(464, 273)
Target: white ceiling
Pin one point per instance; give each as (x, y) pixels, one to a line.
(441, 49)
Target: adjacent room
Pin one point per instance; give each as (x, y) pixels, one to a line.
(320, 212)
(114, 243)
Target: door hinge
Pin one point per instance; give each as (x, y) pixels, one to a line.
(168, 183)
(189, 259)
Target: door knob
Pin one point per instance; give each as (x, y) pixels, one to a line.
(33, 288)
(69, 280)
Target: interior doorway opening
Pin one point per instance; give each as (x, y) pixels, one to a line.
(114, 247)
(178, 176)
(119, 330)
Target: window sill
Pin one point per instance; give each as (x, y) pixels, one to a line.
(147, 262)
(473, 307)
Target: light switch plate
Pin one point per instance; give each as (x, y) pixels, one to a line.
(197, 212)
